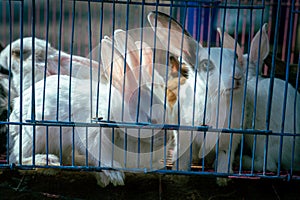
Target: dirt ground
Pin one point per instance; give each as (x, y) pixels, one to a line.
(82, 185)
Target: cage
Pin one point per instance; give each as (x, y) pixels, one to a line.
(175, 87)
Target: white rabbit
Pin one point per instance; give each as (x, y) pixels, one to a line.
(5, 104)
(194, 55)
(292, 110)
(43, 66)
(147, 158)
(39, 61)
(105, 147)
(7, 93)
(80, 112)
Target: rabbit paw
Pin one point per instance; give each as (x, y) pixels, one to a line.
(110, 176)
(223, 181)
(41, 160)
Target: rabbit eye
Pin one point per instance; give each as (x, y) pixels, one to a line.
(206, 66)
(17, 53)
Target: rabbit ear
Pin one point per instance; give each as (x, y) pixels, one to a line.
(150, 67)
(80, 65)
(125, 43)
(147, 60)
(229, 43)
(147, 55)
(264, 45)
(160, 22)
(116, 62)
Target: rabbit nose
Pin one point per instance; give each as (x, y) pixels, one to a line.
(237, 78)
(238, 75)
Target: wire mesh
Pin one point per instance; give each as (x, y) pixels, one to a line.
(81, 94)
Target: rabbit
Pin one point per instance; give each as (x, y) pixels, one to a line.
(289, 125)
(53, 56)
(80, 110)
(11, 61)
(7, 93)
(207, 68)
(80, 70)
(112, 150)
(158, 111)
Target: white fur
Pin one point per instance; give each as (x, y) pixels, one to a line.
(80, 65)
(276, 112)
(275, 126)
(290, 125)
(189, 54)
(112, 153)
(80, 112)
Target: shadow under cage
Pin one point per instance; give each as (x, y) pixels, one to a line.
(177, 87)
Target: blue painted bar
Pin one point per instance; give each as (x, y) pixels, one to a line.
(59, 55)
(99, 58)
(71, 58)
(33, 80)
(46, 56)
(21, 77)
(90, 57)
(112, 58)
(125, 59)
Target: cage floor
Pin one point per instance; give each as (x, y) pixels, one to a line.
(81, 185)
(195, 167)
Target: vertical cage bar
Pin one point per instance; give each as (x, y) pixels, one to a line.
(46, 59)
(100, 142)
(90, 57)
(59, 57)
(9, 84)
(125, 60)
(60, 145)
(71, 58)
(125, 148)
(21, 73)
(167, 56)
(219, 90)
(153, 61)
(99, 59)
(112, 58)
(87, 146)
(113, 146)
(180, 59)
(47, 145)
(198, 32)
(33, 80)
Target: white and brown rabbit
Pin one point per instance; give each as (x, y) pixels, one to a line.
(204, 99)
(282, 150)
